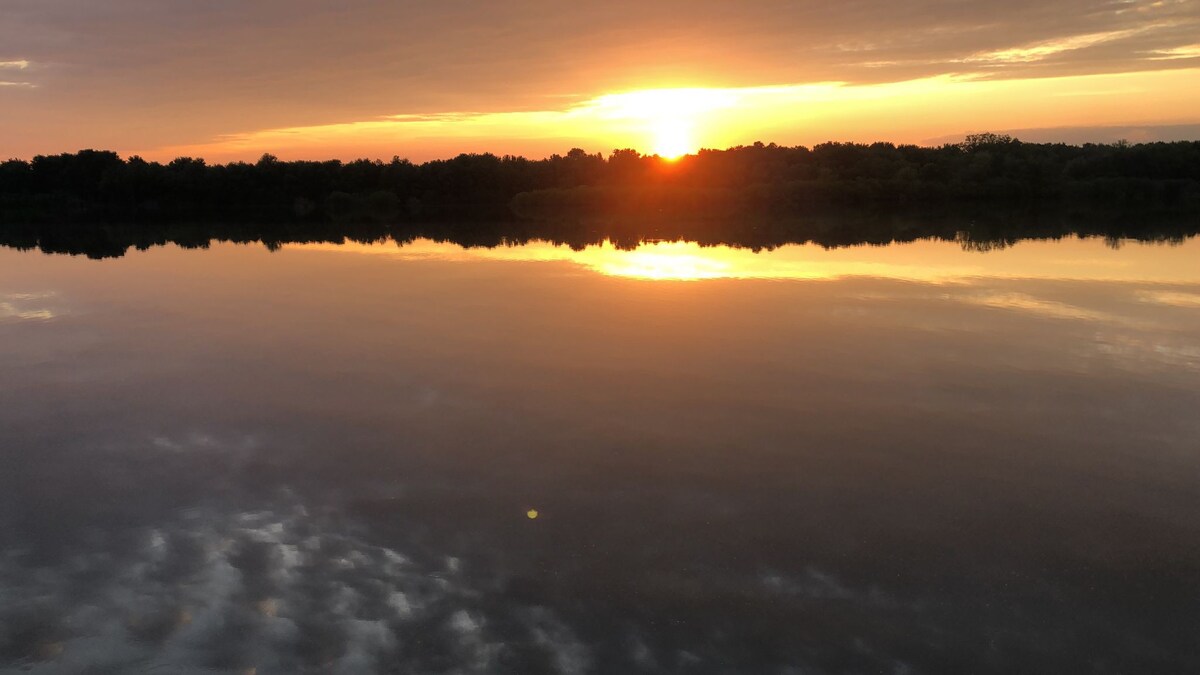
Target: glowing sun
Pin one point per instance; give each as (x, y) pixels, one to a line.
(673, 140)
(668, 118)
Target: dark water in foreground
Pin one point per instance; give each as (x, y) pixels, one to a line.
(904, 459)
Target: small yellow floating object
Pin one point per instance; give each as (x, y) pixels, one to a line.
(532, 514)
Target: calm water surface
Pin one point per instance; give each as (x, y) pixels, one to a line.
(425, 459)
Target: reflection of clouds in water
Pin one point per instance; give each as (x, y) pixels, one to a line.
(1149, 350)
(974, 294)
(1024, 302)
(567, 654)
(818, 585)
(1171, 298)
(199, 442)
(1164, 342)
(26, 306)
(276, 592)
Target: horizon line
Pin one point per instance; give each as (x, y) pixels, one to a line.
(1001, 137)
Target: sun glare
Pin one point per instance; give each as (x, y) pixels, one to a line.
(669, 119)
(672, 141)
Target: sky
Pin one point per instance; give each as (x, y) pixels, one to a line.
(232, 79)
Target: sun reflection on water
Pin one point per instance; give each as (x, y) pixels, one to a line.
(673, 260)
(933, 261)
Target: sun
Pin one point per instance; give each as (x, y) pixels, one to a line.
(670, 120)
(673, 140)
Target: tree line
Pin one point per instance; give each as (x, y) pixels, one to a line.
(760, 179)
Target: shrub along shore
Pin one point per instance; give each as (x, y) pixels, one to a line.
(747, 181)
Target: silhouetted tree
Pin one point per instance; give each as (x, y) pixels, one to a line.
(759, 179)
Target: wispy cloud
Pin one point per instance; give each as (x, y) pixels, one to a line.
(1175, 53)
(18, 64)
(1041, 50)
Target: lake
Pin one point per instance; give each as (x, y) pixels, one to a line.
(424, 458)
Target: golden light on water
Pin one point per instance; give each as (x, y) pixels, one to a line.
(665, 260)
(932, 261)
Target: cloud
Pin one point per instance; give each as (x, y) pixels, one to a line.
(1042, 50)
(19, 64)
(1184, 52)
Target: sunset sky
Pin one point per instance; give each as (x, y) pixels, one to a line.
(231, 79)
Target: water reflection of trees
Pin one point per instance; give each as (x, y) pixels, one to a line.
(985, 193)
(974, 232)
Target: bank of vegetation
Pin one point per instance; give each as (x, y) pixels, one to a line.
(756, 181)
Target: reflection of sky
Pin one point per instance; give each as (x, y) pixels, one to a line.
(276, 592)
(935, 261)
(232, 458)
(1173, 298)
(282, 591)
(25, 306)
